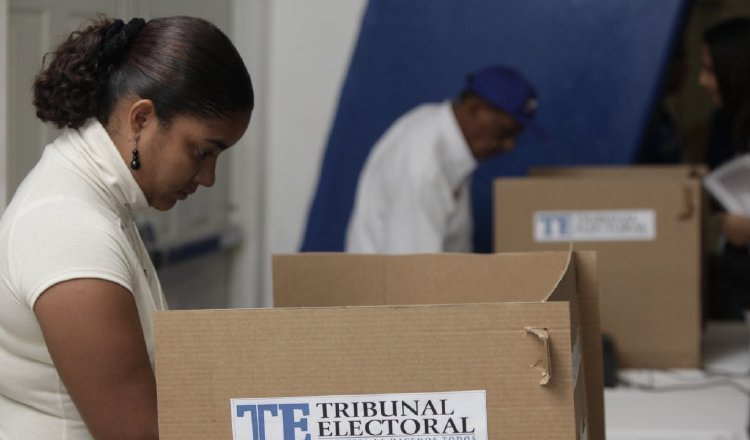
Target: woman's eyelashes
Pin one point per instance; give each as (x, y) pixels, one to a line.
(205, 152)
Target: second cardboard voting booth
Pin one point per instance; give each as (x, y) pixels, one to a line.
(645, 225)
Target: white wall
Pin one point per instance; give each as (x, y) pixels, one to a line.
(3, 102)
(310, 43)
(247, 159)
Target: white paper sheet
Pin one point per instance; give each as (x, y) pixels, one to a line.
(729, 184)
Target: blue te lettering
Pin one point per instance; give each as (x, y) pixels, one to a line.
(259, 414)
(290, 424)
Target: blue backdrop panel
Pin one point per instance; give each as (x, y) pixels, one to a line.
(597, 66)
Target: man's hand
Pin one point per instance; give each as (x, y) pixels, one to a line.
(736, 229)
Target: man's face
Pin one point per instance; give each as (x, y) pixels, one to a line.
(496, 133)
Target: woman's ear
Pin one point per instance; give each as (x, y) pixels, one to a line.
(142, 113)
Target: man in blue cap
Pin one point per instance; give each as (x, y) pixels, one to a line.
(413, 193)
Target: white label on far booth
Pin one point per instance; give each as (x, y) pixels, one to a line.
(413, 416)
(611, 225)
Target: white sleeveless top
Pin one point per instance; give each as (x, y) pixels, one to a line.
(72, 217)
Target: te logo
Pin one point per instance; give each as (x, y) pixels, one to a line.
(552, 226)
(264, 416)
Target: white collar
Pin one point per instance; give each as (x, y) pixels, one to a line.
(90, 152)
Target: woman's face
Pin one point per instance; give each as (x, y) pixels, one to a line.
(707, 76)
(176, 159)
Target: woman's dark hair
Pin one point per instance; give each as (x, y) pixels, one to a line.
(729, 44)
(185, 65)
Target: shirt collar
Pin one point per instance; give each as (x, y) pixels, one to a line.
(93, 155)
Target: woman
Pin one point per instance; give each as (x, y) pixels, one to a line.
(725, 74)
(148, 106)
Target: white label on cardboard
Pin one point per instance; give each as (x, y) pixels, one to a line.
(611, 225)
(414, 416)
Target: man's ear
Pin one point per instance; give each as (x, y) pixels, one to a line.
(142, 113)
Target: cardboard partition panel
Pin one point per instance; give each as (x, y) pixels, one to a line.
(527, 359)
(334, 279)
(710, 228)
(646, 230)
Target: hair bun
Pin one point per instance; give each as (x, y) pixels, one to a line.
(117, 37)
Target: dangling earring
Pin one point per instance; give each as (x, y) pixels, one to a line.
(135, 163)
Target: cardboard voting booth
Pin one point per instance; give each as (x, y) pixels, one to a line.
(645, 225)
(462, 347)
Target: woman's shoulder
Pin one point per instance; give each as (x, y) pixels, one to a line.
(64, 221)
(61, 238)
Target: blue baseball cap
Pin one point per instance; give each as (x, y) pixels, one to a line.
(508, 90)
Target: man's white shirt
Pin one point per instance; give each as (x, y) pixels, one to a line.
(413, 194)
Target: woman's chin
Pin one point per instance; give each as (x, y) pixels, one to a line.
(164, 205)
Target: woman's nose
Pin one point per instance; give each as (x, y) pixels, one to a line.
(206, 175)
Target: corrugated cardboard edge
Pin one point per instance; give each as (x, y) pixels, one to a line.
(588, 295)
(545, 363)
(564, 272)
(566, 290)
(586, 283)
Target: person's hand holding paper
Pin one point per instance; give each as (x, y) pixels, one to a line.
(736, 229)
